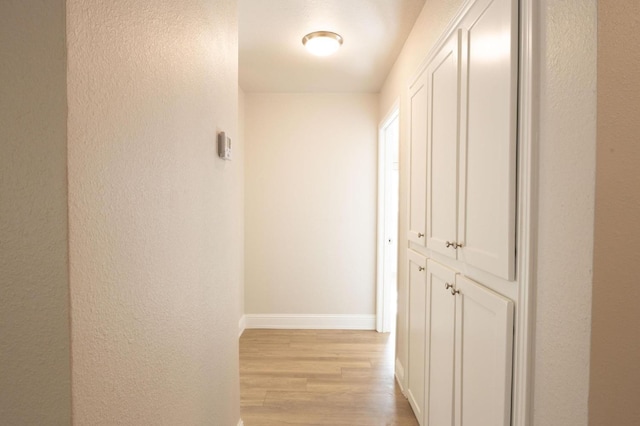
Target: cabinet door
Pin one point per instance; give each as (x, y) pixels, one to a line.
(417, 332)
(418, 161)
(489, 118)
(443, 88)
(440, 345)
(484, 347)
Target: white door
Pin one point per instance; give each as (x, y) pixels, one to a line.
(441, 304)
(418, 161)
(417, 333)
(443, 88)
(484, 348)
(487, 202)
(388, 227)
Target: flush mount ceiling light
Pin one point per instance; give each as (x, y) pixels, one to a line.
(322, 43)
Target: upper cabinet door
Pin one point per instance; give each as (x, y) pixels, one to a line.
(443, 89)
(484, 347)
(489, 61)
(418, 161)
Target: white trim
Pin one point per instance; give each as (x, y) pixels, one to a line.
(527, 218)
(240, 422)
(393, 113)
(242, 324)
(311, 321)
(399, 373)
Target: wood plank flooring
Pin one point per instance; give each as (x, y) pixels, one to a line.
(320, 377)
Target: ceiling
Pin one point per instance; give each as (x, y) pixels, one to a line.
(272, 58)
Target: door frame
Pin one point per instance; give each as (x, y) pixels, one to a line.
(382, 302)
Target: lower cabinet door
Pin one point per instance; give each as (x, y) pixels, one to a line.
(417, 333)
(441, 305)
(484, 347)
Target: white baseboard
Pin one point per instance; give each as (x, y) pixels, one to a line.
(240, 422)
(242, 324)
(400, 375)
(311, 321)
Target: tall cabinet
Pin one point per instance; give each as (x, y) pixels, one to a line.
(462, 221)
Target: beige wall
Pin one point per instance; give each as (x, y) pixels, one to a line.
(239, 151)
(615, 338)
(310, 203)
(34, 281)
(432, 21)
(155, 215)
(566, 196)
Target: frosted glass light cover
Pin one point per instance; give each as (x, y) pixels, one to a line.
(322, 43)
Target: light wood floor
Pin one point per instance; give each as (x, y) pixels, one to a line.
(320, 377)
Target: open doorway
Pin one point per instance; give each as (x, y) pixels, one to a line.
(388, 180)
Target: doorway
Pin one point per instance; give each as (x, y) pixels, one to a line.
(388, 187)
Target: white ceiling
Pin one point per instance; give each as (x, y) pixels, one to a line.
(272, 58)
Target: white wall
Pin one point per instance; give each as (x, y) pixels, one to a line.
(310, 203)
(34, 280)
(566, 204)
(155, 216)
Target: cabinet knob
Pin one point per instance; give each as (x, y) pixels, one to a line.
(457, 245)
(420, 268)
(454, 291)
(420, 235)
(449, 243)
(447, 286)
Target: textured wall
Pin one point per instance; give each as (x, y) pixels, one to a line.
(155, 217)
(432, 21)
(566, 197)
(34, 281)
(615, 335)
(310, 203)
(241, 145)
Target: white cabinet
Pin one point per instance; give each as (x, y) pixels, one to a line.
(462, 206)
(443, 92)
(440, 345)
(468, 352)
(488, 118)
(471, 94)
(418, 161)
(417, 332)
(484, 348)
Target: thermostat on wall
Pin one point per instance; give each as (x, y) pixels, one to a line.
(224, 146)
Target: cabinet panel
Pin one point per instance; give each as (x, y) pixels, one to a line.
(489, 115)
(440, 345)
(443, 90)
(484, 346)
(418, 162)
(417, 333)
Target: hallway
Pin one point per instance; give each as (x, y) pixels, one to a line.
(320, 377)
